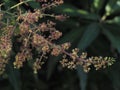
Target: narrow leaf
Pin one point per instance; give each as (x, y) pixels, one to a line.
(90, 34)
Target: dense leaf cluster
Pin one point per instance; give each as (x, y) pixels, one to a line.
(28, 33)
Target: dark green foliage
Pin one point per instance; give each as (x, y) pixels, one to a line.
(94, 27)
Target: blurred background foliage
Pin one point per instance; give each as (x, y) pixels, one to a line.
(93, 27)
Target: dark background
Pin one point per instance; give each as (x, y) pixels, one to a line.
(93, 27)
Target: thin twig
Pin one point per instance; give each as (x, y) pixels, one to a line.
(19, 4)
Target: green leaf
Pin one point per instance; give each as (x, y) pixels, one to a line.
(72, 35)
(112, 6)
(113, 34)
(97, 5)
(89, 35)
(114, 75)
(34, 4)
(82, 77)
(51, 65)
(115, 20)
(75, 12)
(8, 3)
(14, 77)
(98, 49)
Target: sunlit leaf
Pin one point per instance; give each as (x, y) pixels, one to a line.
(112, 6)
